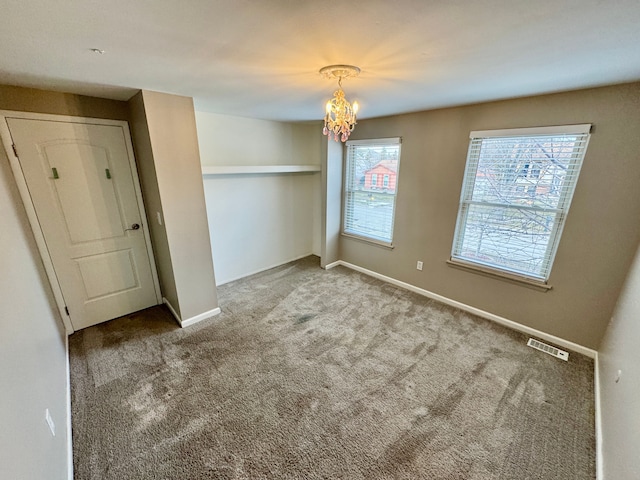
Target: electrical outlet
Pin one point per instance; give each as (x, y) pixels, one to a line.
(52, 426)
(159, 218)
(419, 265)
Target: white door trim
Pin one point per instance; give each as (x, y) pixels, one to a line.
(5, 135)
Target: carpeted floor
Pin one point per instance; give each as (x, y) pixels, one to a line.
(313, 374)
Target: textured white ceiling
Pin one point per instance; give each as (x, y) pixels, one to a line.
(260, 58)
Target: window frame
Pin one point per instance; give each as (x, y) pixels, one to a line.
(564, 202)
(344, 230)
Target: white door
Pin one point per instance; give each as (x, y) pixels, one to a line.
(81, 182)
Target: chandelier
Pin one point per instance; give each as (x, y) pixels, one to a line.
(340, 118)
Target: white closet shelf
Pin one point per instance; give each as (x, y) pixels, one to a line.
(253, 169)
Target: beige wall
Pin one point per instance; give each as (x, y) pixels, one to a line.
(620, 401)
(33, 372)
(332, 167)
(152, 199)
(56, 103)
(166, 139)
(598, 242)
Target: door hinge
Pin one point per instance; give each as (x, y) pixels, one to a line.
(66, 309)
(15, 150)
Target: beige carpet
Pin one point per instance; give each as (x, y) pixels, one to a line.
(312, 374)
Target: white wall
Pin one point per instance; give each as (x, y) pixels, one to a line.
(33, 371)
(620, 402)
(259, 221)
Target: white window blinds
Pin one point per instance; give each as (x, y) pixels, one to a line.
(516, 193)
(371, 186)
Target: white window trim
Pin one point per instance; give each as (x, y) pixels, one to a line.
(355, 236)
(500, 274)
(531, 131)
(504, 273)
(369, 240)
(376, 141)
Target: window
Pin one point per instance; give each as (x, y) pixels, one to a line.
(369, 212)
(516, 193)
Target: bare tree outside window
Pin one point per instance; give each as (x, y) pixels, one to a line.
(515, 197)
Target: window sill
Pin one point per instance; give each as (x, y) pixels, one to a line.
(377, 243)
(540, 286)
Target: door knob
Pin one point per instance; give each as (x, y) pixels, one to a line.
(135, 226)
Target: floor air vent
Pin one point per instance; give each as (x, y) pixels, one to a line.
(543, 347)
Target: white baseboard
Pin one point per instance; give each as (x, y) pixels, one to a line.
(329, 266)
(192, 320)
(199, 318)
(588, 352)
(253, 272)
(69, 428)
(596, 387)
